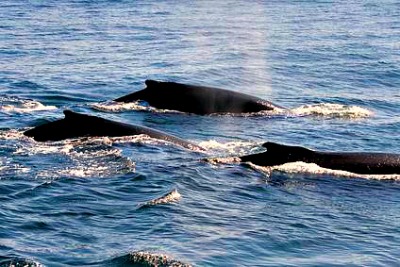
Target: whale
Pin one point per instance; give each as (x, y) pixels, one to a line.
(355, 162)
(76, 125)
(198, 100)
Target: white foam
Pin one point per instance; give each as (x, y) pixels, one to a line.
(152, 259)
(31, 148)
(263, 113)
(141, 139)
(91, 163)
(112, 106)
(16, 105)
(7, 167)
(87, 157)
(228, 160)
(235, 147)
(312, 168)
(170, 197)
(12, 135)
(332, 110)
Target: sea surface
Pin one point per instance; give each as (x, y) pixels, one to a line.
(141, 202)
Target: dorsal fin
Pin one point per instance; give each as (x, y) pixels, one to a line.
(151, 83)
(69, 114)
(271, 147)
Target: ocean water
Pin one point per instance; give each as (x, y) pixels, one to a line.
(137, 201)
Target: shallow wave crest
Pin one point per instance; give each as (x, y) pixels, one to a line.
(145, 258)
(169, 197)
(332, 110)
(17, 105)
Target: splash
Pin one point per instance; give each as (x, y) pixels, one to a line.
(276, 112)
(15, 262)
(91, 163)
(86, 157)
(7, 168)
(312, 168)
(12, 135)
(16, 105)
(66, 145)
(236, 147)
(332, 110)
(170, 197)
(154, 260)
(228, 160)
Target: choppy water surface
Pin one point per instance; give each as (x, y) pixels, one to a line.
(134, 200)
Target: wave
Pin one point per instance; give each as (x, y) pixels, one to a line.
(332, 110)
(145, 258)
(33, 147)
(86, 157)
(12, 135)
(82, 157)
(8, 168)
(234, 147)
(322, 110)
(92, 161)
(112, 106)
(312, 168)
(17, 105)
(13, 262)
(169, 197)
(228, 160)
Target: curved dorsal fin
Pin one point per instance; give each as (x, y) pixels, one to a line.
(271, 146)
(151, 83)
(69, 114)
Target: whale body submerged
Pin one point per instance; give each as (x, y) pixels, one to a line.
(355, 162)
(76, 125)
(199, 100)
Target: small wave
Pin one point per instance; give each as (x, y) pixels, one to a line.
(172, 196)
(87, 157)
(144, 258)
(33, 148)
(135, 139)
(235, 147)
(332, 110)
(228, 160)
(92, 161)
(7, 168)
(312, 168)
(85, 170)
(10, 104)
(68, 144)
(11, 135)
(276, 112)
(15, 262)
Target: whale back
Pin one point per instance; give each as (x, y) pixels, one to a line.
(195, 99)
(278, 154)
(76, 125)
(362, 163)
(356, 162)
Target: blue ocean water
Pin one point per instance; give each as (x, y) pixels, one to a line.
(335, 64)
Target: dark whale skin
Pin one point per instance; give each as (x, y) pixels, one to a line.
(356, 162)
(195, 99)
(76, 125)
